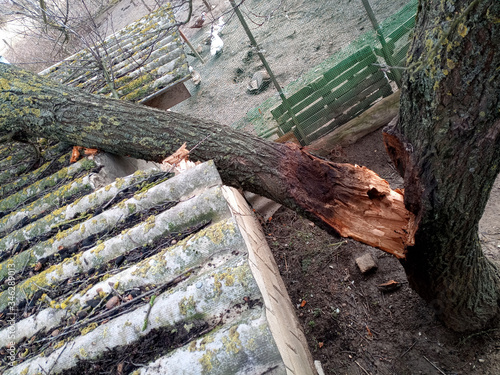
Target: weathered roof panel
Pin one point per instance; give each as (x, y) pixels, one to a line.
(145, 59)
(150, 274)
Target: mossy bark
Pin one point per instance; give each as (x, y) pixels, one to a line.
(447, 147)
(339, 195)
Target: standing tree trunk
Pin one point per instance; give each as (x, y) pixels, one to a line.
(447, 147)
(353, 200)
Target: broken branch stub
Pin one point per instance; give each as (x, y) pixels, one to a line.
(353, 200)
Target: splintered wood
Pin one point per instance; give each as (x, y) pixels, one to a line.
(373, 214)
(353, 200)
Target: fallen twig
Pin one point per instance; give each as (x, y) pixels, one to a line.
(362, 368)
(407, 350)
(433, 365)
(150, 306)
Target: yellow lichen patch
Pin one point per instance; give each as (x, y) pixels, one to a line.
(187, 305)
(462, 30)
(232, 341)
(206, 340)
(450, 64)
(149, 224)
(105, 332)
(98, 249)
(251, 345)
(59, 344)
(83, 353)
(121, 205)
(216, 232)
(4, 84)
(119, 182)
(39, 281)
(89, 328)
(227, 277)
(208, 361)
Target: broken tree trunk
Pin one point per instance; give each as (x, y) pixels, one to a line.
(447, 146)
(353, 200)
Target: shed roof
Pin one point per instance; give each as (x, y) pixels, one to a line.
(145, 58)
(148, 273)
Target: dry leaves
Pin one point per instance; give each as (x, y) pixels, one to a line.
(77, 153)
(178, 161)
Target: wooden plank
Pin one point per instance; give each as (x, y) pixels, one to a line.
(288, 137)
(329, 96)
(334, 76)
(405, 28)
(400, 56)
(282, 320)
(346, 63)
(325, 90)
(305, 91)
(397, 34)
(380, 114)
(349, 100)
(170, 97)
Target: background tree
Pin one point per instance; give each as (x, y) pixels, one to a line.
(70, 26)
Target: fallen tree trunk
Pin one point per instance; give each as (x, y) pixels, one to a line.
(353, 200)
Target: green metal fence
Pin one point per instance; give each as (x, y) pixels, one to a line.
(343, 92)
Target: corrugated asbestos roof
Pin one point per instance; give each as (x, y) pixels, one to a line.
(146, 58)
(148, 273)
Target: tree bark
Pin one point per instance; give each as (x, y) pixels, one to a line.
(353, 200)
(447, 146)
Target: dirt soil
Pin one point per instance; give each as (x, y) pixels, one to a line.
(352, 326)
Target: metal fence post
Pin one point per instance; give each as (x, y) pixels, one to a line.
(269, 71)
(385, 49)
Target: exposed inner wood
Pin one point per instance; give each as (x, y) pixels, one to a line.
(353, 200)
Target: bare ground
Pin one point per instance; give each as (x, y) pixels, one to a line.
(351, 325)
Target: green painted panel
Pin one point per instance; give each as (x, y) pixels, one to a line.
(347, 79)
(402, 30)
(330, 79)
(361, 79)
(352, 113)
(349, 99)
(348, 62)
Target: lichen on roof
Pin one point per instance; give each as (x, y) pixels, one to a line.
(99, 266)
(144, 58)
